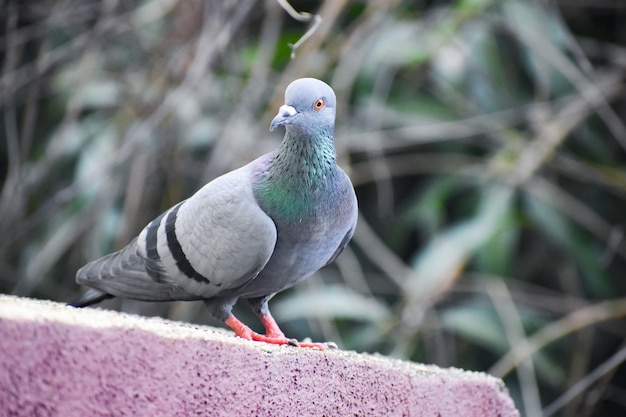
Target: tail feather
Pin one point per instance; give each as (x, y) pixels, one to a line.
(122, 274)
(89, 297)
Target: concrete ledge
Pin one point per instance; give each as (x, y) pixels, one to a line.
(60, 361)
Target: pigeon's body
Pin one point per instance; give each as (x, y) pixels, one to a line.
(250, 233)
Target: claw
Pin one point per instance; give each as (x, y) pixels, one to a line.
(319, 346)
(332, 345)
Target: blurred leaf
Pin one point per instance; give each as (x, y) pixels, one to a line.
(477, 323)
(497, 255)
(428, 208)
(583, 253)
(470, 7)
(62, 233)
(99, 93)
(437, 266)
(98, 143)
(538, 18)
(331, 302)
(410, 43)
(201, 133)
(415, 107)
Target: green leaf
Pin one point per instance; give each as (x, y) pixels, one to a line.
(477, 323)
(565, 234)
(497, 255)
(438, 265)
(331, 302)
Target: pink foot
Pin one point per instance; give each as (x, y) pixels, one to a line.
(273, 334)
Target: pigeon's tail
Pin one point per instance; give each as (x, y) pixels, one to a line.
(90, 296)
(120, 274)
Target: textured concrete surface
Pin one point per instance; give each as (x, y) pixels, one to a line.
(60, 361)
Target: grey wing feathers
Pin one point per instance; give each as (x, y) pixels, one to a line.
(153, 263)
(216, 240)
(219, 238)
(124, 274)
(90, 296)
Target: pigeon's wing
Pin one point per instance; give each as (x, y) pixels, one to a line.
(216, 240)
(122, 273)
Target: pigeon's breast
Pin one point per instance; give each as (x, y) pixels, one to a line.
(308, 239)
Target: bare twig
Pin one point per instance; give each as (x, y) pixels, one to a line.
(380, 254)
(301, 17)
(225, 150)
(410, 132)
(514, 331)
(583, 385)
(27, 73)
(579, 319)
(594, 173)
(10, 200)
(596, 97)
(576, 210)
(553, 132)
(55, 17)
(214, 38)
(413, 163)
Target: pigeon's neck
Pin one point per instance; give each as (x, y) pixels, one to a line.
(290, 181)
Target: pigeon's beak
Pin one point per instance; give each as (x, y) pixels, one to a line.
(283, 117)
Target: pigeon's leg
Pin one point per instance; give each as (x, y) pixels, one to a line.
(221, 308)
(245, 332)
(273, 334)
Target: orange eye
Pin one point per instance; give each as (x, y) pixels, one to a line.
(319, 104)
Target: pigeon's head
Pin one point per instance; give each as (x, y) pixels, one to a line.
(309, 107)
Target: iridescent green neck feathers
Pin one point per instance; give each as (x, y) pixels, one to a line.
(289, 181)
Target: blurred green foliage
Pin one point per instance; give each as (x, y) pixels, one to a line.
(485, 139)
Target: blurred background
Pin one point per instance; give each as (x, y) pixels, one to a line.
(485, 139)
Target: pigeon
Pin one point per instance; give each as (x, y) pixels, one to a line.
(249, 233)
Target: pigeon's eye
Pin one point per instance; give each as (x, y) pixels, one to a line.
(319, 104)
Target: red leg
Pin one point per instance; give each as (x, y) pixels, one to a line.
(272, 335)
(271, 327)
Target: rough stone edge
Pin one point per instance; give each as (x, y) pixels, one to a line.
(27, 309)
